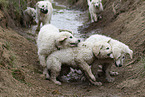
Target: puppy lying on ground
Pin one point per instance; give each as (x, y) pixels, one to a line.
(44, 12)
(29, 16)
(77, 57)
(119, 50)
(95, 7)
(50, 39)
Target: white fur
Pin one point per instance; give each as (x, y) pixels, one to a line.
(77, 57)
(50, 39)
(29, 16)
(95, 7)
(49, 0)
(119, 50)
(43, 18)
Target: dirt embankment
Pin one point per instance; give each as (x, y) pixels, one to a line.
(19, 66)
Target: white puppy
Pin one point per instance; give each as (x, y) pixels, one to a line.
(119, 50)
(95, 7)
(49, 0)
(50, 39)
(44, 12)
(29, 16)
(77, 57)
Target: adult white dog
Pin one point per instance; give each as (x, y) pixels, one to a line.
(119, 50)
(77, 57)
(44, 12)
(29, 16)
(50, 39)
(95, 7)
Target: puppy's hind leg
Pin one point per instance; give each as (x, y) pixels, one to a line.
(45, 72)
(42, 60)
(55, 71)
(53, 77)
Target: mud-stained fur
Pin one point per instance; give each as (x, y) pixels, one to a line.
(77, 57)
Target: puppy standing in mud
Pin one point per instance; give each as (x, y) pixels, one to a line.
(119, 50)
(78, 57)
(29, 16)
(50, 39)
(95, 7)
(44, 12)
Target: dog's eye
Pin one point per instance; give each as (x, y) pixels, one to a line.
(123, 57)
(70, 37)
(42, 5)
(107, 48)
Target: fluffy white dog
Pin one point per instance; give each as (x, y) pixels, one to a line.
(119, 50)
(29, 16)
(49, 0)
(50, 39)
(77, 57)
(95, 7)
(44, 12)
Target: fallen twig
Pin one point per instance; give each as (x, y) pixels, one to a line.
(131, 62)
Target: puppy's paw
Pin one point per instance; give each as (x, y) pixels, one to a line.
(57, 82)
(114, 73)
(93, 78)
(96, 83)
(110, 79)
(47, 77)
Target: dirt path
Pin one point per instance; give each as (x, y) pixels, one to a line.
(20, 73)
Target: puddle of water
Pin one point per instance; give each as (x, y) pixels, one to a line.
(66, 19)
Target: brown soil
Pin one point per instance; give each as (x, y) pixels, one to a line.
(20, 73)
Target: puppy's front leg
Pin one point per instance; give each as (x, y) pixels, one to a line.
(87, 69)
(95, 17)
(38, 26)
(95, 68)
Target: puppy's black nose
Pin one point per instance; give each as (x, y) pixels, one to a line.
(108, 54)
(79, 40)
(120, 65)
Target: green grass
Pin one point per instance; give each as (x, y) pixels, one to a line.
(18, 75)
(12, 60)
(7, 45)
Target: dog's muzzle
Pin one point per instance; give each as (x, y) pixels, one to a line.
(45, 11)
(118, 65)
(74, 44)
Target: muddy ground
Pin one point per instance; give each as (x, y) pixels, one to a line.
(20, 73)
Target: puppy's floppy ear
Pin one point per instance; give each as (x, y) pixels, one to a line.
(96, 49)
(37, 3)
(59, 41)
(62, 39)
(130, 52)
(116, 52)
